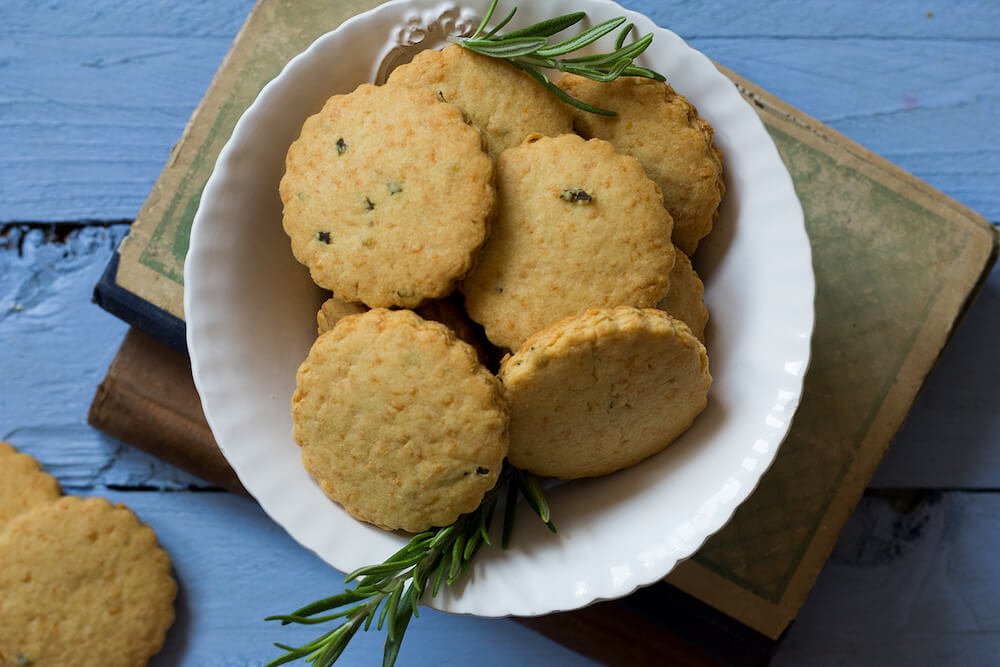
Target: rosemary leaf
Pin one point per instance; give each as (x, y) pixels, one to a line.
(500, 25)
(546, 28)
(486, 19)
(597, 75)
(533, 493)
(442, 569)
(390, 607)
(383, 568)
(288, 657)
(333, 602)
(635, 70)
(529, 50)
(387, 594)
(508, 48)
(563, 95)
(443, 535)
(456, 559)
(583, 39)
(622, 35)
(302, 620)
(471, 545)
(397, 629)
(630, 52)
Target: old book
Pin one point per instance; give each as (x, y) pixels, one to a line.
(148, 399)
(896, 263)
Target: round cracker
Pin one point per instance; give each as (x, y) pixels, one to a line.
(398, 421)
(387, 196)
(23, 484)
(686, 298)
(84, 583)
(665, 133)
(602, 391)
(579, 226)
(333, 310)
(444, 311)
(505, 103)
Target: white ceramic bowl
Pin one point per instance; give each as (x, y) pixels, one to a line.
(251, 308)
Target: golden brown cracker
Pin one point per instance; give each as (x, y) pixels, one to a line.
(505, 103)
(686, 298)
(23, 484)
(398, 421)
(602, 391)
(579, 226)
(664, 132)
(83, 583)
(387, 196)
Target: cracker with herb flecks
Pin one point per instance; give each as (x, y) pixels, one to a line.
(388, 195)
(579, 226)
(664, 132)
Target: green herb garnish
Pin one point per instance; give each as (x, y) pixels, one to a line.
(529, 49)
(576, 196)
(388, 593)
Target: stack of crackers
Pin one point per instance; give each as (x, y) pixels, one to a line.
(82, 581)
(510, 278)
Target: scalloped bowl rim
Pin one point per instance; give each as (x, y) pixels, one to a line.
(501, 583)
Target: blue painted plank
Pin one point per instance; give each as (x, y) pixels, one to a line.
(959, 19)
(91, 99)
(55, 348)
(963, 20)
(114, 18)
(910, 585)
(950, 437)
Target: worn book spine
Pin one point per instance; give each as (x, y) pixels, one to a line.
(148, 400)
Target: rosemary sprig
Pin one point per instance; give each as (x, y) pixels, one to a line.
(529, 49)
(387, 594)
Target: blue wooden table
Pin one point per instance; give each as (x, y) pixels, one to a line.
(93, 95)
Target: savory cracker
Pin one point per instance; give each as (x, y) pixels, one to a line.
(439, 310)
(387, 196)
(23, 484)
(82, 583)
(505, 103)
(579, 226)
(686, 298)
(664, 132)
(602, 391)
(333, 310)
(398, 421)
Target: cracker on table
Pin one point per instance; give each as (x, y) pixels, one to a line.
(83, 583)
(23, 484)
